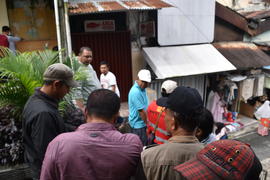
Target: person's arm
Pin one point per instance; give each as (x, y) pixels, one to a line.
(77, 93)
(143, 115)
(79, 103)
(113, 82)
(13, 39)
(149, 127)
(113, 88)
(44, 130)
(96, 80)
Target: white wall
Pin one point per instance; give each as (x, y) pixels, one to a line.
(187, 22)
(3, 14)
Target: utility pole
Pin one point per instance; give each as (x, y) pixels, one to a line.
(63, 29)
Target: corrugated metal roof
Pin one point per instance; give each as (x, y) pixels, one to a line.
(257, 14)
(177, 61)
(86, 6)
(243, 55)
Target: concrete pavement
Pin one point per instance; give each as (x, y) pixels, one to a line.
(260, 144)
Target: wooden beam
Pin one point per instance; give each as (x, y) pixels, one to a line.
(232, 17)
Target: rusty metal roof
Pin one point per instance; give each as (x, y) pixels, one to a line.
(266, 1)
(243, 55)
(253, 23)
(86, 6)
(257, 14)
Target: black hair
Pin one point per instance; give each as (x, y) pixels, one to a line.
(103, 103)
(55, 48)
(206, 123)
(50, 82)
(47, 82)
(188, 122)
(219, 126)
(104, 63)
(84, 48)
(164, 93)
(5, 29)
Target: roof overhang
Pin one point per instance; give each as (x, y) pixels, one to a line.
(177, 61)
(95, 6)
(253, 23)
(243, 55)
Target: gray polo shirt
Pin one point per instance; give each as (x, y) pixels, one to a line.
(88, 84)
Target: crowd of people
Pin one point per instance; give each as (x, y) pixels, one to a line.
(184, 145)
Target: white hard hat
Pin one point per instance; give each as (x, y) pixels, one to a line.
(144, 75)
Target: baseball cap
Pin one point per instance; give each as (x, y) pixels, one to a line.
(169, 86)
(223, 159)
(183, 100)
(144, 75)
(60, 72)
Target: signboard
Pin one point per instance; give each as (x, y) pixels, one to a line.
(147, 29)
(99, 25)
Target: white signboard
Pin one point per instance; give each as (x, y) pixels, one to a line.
(188, 22)
(99, 25)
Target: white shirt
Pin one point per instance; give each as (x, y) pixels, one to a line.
(108, 80)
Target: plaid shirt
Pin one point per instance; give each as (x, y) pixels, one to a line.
(224, 159)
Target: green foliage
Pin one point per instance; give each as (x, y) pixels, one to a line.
(20, 74)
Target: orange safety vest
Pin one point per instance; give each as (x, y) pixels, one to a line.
(161, 135)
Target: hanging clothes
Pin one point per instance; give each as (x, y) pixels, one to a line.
(258, 85)
(217, 108)
(233, 92)
(247, 88)
(210, 100)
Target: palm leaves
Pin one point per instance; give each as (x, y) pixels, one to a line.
(20, 74)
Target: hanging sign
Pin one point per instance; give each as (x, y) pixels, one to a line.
(99, 25)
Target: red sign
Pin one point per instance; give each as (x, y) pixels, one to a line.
(99, 25)
(147, 29)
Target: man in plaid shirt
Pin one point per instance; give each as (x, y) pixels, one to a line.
(224, 159)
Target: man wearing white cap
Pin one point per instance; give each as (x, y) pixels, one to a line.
(156, 114)
(138, 102)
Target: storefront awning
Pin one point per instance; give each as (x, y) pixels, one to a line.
(94, 6)
(178, 61)
(243, 55)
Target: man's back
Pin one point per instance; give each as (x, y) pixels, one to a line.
(41, 123)
(94, 151)
(158, 161)
(4, 40)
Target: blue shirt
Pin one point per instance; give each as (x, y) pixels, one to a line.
(137, 100)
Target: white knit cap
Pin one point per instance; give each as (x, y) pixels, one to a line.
(169, 86)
